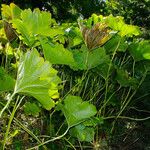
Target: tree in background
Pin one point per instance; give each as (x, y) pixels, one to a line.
(134, 11)
(64, 10)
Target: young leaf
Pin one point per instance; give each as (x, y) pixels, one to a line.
(83, 133)
(6, 81)
(76, 111)
(38, 79)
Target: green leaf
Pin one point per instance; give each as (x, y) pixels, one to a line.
(125, 80)
(118, 24)
(10, 12)
(37, 78)
(86, 59)
(74, 35)
(92, 122)
(6, 81)
(116, 42)
(77, 111)
(33, 24)
(31, 109)
(56, 54)
(83, 133)
(115, 23)
(141, 50)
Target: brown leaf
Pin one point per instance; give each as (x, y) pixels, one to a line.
(9, 31)
(98, 35)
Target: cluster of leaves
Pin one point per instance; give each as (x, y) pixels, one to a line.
(81, 70)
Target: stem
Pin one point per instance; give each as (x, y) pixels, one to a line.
(28, 131)
(107, 77)
(129, 118)
(51, 140)
(128, 101)
(10, 120)
(7, 104)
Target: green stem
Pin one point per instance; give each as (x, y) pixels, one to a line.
(128, 101)
(51, 140)
(10, 120)
(28, 131)
(6, 106)
(129, 118)
(107, 77)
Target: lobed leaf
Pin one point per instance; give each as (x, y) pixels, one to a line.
(31, 24)
(56, 54)
(37, 78)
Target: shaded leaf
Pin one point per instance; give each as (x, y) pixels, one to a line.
(83, 133)
(140, 50)
(89, 59)
(116, 42)
(38, 79)
(125, 80)
(77, 111)
(6, 81)
(74, 35)
(31, 109)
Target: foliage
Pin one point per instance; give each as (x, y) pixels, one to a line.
(86, 78)
(38, 79)
(77, 111)
(6, 81)
(31, 109)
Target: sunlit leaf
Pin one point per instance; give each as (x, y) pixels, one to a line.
(118, 24)
(33, 24)
(115, 23)
(56, 54)
(77, 111)
(11, 11)
(37, 78)
(98, 35)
